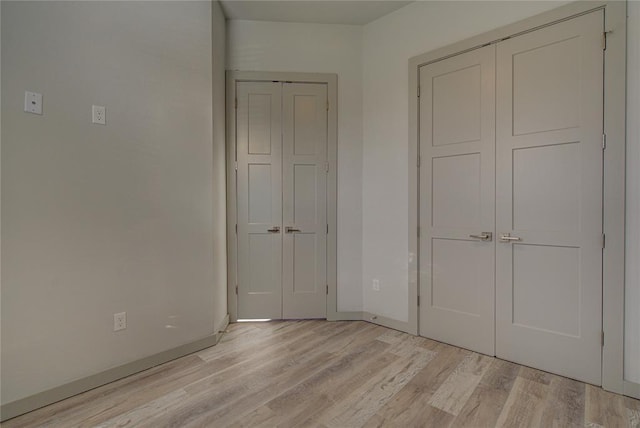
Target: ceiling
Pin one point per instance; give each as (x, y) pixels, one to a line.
(358, 12)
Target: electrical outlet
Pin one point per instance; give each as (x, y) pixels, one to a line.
(119, 321)
(99, 115)
(33, 102)
(376, 285)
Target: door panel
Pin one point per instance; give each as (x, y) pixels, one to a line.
(535, 83)
(259, 181)
(455, 289)
(457, 196)
(259, 123)
(304, 267)
(304, 192)
(549, 196)
(457, 148)
(260, 208)
(456, 101)
(546, 187)
(539, 272)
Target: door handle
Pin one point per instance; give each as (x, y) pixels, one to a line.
(506, 237)
(274, 229)
(290, 229)
(485, 236)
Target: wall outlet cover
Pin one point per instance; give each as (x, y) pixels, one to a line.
(119, 321)
(99, 115)
(33, 102)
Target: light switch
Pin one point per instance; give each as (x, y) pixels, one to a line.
(33, 102)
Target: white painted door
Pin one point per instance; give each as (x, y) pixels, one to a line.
(304, 197)
(259, 199)
(549, 198)
(457, 151)
(281, 143)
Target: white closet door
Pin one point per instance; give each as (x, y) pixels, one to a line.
(549, 198)
(259, 151)
(305, 194)
(457, 151)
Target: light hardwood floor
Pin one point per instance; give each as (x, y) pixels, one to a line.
(337, 374)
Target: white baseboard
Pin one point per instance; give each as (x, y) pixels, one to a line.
(41, 399)
(345, 316)
(632, 389)
(386, 322)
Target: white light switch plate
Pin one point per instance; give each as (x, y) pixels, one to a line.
(99, 115)
(33, 102)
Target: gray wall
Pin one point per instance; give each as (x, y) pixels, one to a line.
(103, 219)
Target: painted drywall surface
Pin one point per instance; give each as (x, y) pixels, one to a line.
(0, 202)
(632, 292)
(102, 219)
(219, 37)
(0, 197)
(388, 43)
(276, 46)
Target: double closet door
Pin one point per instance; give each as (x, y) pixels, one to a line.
(281, 143)
(511, 198)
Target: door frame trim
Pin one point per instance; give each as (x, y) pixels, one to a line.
(614, 166)
(331, 80)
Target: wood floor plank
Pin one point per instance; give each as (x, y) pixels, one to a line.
(487, 400)
(326, 381)
(293, 400)
(114, 398)
(227, 387)
(254, 389)
(423, 416)
(453, 394)
(313, 373)
(322, 399)
(141, 413)
(407, 346)
(260, 417)
(633, 411)
(216, 368)
(256, 339)
(565, 406)
(249, 362)
(604, 408)
(367, 332)
(232, 398)
(535, 375)
(633, 417)
(364, 402)
(391, 336)
(501, 375)
(632, 403)
(525, 405)
(410, 404)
